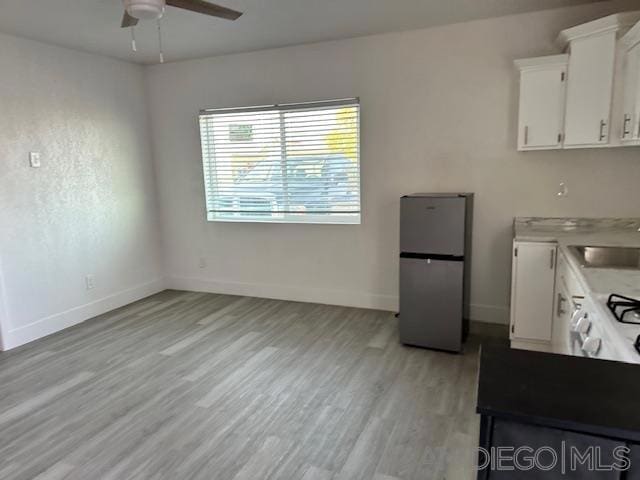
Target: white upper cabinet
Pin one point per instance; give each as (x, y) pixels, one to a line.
(630, 130)
(589, 90)
(594, 85)
(542, 100)
(598, 103)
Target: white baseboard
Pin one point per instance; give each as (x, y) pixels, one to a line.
(286, 292)
(479, 313)
(60, 321)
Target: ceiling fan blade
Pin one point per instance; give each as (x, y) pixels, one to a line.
(128, 20)
(206, 8)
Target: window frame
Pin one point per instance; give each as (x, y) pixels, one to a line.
(354, 218)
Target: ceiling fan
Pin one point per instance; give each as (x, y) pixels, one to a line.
(135, 10)
(154, 9)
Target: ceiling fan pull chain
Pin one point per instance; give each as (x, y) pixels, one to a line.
(134, 47)
(160, 41)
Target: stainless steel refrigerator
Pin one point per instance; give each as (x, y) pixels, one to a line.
(435, 260)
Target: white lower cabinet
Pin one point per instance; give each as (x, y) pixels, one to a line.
(532, 295)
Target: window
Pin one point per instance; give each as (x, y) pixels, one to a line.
(296, 163)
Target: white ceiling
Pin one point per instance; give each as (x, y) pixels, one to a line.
(93, 25)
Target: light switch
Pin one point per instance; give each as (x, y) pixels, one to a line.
(34, 159)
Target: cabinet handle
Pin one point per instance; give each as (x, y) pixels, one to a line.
(552, 259)
(526, 134)
(561, 300)
(625, 131)
(602, 125)
(638, 134)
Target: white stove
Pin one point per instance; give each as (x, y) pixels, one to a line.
(625, 309)
(595, 331)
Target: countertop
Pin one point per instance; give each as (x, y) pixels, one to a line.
(560, 391)
(598, 283)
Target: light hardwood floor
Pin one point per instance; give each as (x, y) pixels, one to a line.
(200, 386)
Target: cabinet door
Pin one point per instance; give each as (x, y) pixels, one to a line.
(634, 56)
(532, 288)
(431, 304)
(632, 95)
(631, 83)
(589, 90)
(541, 113)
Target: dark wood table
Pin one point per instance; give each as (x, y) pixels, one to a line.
(542, 403)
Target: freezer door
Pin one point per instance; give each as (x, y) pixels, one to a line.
(431, 305)
(433, 225)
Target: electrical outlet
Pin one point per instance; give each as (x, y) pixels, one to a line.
(202, 263)
(34, 159)
(91, 282)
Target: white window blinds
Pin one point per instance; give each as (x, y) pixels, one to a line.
(297, 163)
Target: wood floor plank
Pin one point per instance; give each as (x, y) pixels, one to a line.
(265, 459)
(40, 400)
(232, 349)
(187, 385)
(59, 471)
(198, 335)
(314, 473)
(237, 303)
(386, 331)
(365, 455)
(236, 377)
(379, 476)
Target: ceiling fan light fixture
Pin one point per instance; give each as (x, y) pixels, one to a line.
(145, 9)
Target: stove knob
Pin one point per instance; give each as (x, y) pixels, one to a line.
(577, 316)
(583, 326)
(591, 345)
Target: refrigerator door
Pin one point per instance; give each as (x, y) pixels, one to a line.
(431, 304)
(432, 225)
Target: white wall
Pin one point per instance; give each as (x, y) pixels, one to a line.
(438, 114)
(91, 207)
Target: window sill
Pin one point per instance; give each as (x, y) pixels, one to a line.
(354, 219)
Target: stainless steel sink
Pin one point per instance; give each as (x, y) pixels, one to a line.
(607, 257)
